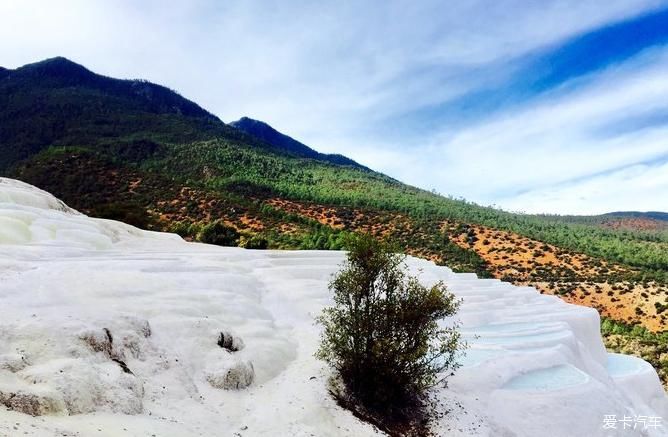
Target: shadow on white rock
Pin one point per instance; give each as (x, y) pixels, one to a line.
(232, 374)
(35, 401)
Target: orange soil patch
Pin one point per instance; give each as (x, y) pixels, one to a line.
(252, 223)
(509, 254)
(574, 277)
(344, 218)
(635, 223)
(629, 303)
(132, 185)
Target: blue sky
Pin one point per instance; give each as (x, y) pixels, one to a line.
(551, 106)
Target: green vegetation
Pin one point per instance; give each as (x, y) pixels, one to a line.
(324, 238)
(264, 174)
(382, 336)
(253, 242)
(220, 234)
(462, 260)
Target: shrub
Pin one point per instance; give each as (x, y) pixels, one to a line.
(127, 212)
(219, 233)
(254, 242)
(382, 335)
(180, 228)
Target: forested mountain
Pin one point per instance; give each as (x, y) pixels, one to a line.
(139, 152)
(57, 102)
(653, 221)
(655, 215)
(285, 143)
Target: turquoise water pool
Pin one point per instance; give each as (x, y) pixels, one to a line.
(551, 378)
(620, 365)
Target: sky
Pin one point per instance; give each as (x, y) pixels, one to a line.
(550, 106)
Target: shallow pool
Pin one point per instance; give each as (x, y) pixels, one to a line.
(475, 357)
(621, 365)
(551, 378)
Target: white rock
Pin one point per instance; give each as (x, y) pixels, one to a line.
(231, 375)
(536, 366)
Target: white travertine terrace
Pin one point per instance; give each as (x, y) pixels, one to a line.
(107, 330)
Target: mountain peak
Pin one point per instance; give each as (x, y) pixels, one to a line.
(655, 215)
(282, 142)
(245, 119)
(58, 66)
(246, 123)
(61, 72)
(58, 60)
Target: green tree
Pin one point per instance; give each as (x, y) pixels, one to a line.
(383, 336)
(220, 234)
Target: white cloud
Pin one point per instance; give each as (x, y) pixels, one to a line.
(643, 186)
(556, 138)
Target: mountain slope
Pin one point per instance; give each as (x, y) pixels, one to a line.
(65, 104)
(58, 102)
(651, 220)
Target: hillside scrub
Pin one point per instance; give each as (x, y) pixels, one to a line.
(383, 336)
(220, 234)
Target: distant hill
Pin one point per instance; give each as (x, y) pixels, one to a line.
(634, 220)
(285, 143)
(622, 220)
(655, 215)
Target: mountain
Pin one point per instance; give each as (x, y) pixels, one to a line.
(138, 152)
(654, 215)
(108, 330)
(635, 220)
(65, 104)
(287, 144)
(622, 220)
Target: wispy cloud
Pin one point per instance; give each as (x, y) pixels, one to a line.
(600, 193)
(554, 138)
(487, 100)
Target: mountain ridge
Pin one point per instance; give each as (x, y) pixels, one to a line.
(66, 104)
(272, 136)
(64, 72)
(656, 215)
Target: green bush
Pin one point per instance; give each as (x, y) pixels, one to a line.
(219, 233)
(382, 335)
(180, 228)
(322, 237)
(254, 242)
(126, 212)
